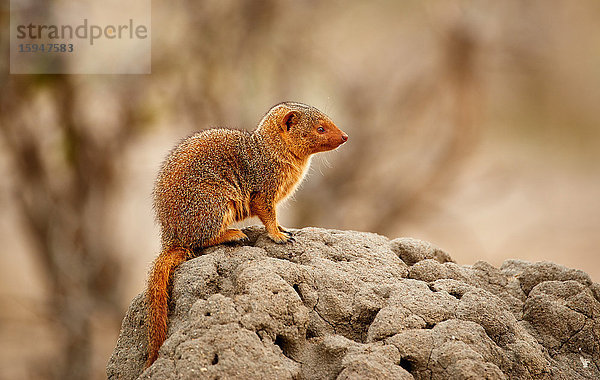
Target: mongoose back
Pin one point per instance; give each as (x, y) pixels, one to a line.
(220, 176)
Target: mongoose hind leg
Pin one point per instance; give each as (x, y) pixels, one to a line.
(224, 234)
(229, 235)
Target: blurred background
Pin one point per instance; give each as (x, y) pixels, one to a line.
(474, 125)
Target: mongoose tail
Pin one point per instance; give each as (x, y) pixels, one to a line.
(158, 297)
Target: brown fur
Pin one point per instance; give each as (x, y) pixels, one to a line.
(220, 176)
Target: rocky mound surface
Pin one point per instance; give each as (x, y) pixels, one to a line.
(351, 305)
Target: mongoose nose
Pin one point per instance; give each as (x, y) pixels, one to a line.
(344, 137)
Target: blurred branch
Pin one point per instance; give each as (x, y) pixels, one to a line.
(459, 80)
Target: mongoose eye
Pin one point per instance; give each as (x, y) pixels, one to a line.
(321, 130)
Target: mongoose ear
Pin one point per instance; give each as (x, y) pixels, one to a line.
(289, 119)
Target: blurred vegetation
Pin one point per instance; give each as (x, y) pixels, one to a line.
(421, 88)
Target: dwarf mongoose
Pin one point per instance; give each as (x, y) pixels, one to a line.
(220, 176)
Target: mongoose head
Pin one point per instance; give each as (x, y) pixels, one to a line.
(305, 129)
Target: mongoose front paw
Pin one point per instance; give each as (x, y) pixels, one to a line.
(282, 237)
(286, 232)
(290, 236)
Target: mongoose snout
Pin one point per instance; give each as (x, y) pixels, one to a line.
(328, 137)
(342, 139)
